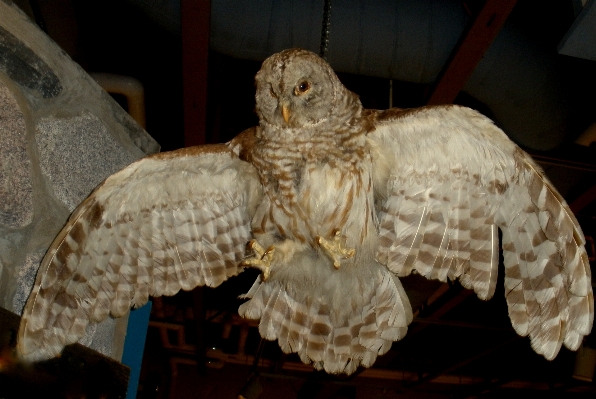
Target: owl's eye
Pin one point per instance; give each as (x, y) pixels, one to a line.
(272, 92)
(301, 88)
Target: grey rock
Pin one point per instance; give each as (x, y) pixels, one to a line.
(137, 134)
(25, 279)
(67, 138)
(16, 192)
(87, 153)
(24, 67)
(7, 268)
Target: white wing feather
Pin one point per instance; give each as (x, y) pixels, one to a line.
(167, 222)
(445, 179)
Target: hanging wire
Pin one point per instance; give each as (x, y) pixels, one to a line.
(252, 389)
(390, 93)
(325, 30)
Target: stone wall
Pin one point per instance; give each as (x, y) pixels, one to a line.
(60, 136)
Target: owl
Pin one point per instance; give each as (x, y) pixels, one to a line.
(332, 203)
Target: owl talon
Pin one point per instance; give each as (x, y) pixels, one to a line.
(335, 248)
(261, 259)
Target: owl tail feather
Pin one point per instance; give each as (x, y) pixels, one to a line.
(315, 331)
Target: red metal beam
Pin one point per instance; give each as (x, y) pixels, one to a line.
(195, 16)
(583, 200)
(470, 49)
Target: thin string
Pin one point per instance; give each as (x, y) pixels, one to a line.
(325, 30)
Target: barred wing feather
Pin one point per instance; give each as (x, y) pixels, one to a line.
(171, 221)
(446, 178)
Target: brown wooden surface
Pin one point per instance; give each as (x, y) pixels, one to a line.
(79, 372)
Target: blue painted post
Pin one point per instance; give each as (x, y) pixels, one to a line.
(134, 345)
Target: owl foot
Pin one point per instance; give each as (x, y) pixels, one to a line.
(261, 259)
(335, 248)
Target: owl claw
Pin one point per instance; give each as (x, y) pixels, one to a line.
(335, 248)
(261, 259)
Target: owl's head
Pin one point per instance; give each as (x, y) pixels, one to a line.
(296, 88)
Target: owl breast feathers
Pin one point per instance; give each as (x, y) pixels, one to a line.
(335, 203)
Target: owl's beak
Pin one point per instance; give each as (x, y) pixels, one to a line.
(285, 113)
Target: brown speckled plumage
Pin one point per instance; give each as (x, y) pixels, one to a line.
(348, 199)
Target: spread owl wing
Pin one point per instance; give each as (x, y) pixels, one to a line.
(171, 221)
(446, 178)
